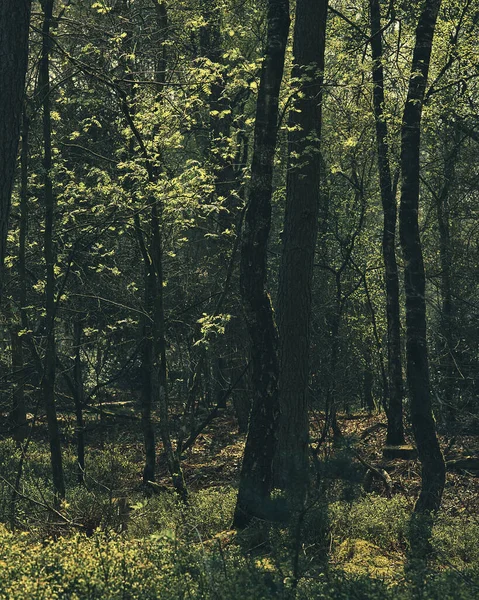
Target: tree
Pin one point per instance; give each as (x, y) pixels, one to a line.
(429, 451)
(303, 196)
(256, 472)
(395, 431)
(14, 25)
(49, 367)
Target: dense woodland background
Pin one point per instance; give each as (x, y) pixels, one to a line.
(239, 326)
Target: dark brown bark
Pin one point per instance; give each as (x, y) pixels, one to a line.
(299, 243)
(49, 367)
(256, 478)
(429, 452)
(395, 431)
(14, 24)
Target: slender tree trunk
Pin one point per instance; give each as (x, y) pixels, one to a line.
(155, 380)
(447, 345)
(48, 379)
(429, 452)
(368, 382)
(147, 366)
(18, 415)
(331, 402)
(395, 431)
(256, 477)
(14, 25)
(79, 398)
(160, 381)
(299, 245)
(23, 225)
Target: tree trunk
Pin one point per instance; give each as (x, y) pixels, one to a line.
(19, 412)
(18, 415)
(14, 26)
(299, 245)
(147, 365)
(256, 478)
(331, 402)
(395, 431)
(159, 370)
(49, 368)
(368, 383)
(448, 337)
(154, 366)
(429, 452)
(79, 398)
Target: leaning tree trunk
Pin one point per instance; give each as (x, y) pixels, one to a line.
(429, 452)
(395, 430)
(14, 25)
(48, 379)
(256, 477)
(299, 244)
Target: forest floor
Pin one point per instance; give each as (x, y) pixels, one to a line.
(110, 540)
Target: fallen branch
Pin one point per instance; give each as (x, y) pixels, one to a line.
(374, 472)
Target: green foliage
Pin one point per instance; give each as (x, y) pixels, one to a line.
(455, 539)
(170, 550)
(378, 520)
(208, 513)
(112, 469)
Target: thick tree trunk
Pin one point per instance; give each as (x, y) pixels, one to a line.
(14, 25)
(395, 431)
(48, 379)
(299, 245)
(256, 477)
(429, 452)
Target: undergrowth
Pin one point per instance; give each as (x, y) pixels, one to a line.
(109, 541)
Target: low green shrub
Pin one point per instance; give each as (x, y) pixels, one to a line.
(456, 540)
(379, 520)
